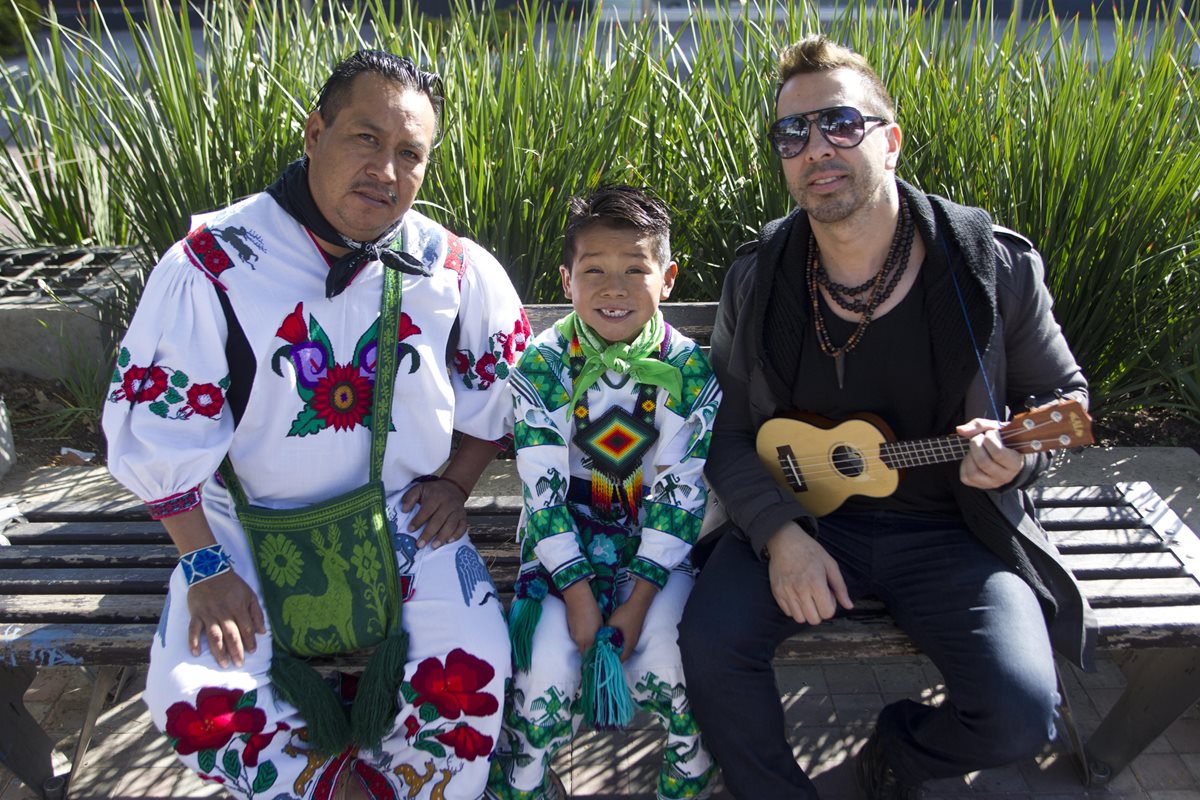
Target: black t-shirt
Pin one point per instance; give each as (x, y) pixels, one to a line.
(890, 374)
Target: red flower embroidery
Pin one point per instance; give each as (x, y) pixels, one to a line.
(143, 384)
(514, 345)
(202, 242)
(485, 368)
(293, 330)
(342, 397)
(217, 262)
(258, 742)
(454, 689)
(206, 399)
(462, 362)
(213, 721)
(411, 726)
(467, 742)
(407, 328)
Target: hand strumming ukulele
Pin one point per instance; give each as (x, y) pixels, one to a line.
(824, 462)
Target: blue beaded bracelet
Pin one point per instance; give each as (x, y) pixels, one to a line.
(207, 562)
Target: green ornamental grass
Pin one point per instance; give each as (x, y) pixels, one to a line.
(1094, 158)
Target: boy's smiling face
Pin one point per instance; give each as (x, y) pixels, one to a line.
(615, 281)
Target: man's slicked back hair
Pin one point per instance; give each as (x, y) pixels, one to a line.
(619, 207)
(401, 70)
(816, 53)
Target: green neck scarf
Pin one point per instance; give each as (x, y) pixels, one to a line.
(633, 358)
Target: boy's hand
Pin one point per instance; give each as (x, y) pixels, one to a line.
(224, 609)
(630, 616)
(442, 511)
(583, 615)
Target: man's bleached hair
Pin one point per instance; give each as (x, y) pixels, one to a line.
(817, 54)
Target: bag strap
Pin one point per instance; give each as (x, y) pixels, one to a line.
(385, 384)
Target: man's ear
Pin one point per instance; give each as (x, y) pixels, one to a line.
(895, 138)
(669, 275)
(314, 126)
(565, 274)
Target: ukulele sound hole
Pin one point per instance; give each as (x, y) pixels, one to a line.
(848, 461)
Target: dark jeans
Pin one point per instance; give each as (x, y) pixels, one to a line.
(978, 621)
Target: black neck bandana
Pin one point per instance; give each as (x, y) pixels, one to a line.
(291, 191)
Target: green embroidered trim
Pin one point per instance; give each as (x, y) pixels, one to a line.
(696, 372)
(526, 435)
(650, 571)
(672, 520)
(548, 522)
(544, 378)
(572, 573)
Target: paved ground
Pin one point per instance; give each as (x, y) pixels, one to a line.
(829, 708)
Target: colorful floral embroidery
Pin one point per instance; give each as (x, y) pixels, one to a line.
(455, 256)
(203, 250)
(219, 721)
(441, 692)
(480, 372)
(337, 396)
(168, 392)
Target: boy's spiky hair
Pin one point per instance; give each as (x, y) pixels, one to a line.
(621, 207)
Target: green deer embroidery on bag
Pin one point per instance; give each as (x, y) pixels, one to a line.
(315, 612)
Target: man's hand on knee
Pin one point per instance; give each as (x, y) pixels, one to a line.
(805, 580)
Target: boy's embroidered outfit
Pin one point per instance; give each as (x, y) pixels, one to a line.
(613, 490)
(236, 349)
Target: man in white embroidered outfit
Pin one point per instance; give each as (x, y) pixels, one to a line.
(257, 338)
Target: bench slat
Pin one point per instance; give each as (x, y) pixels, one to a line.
(125, 580)
(81, 607)
(1123, 565)
(1141, 592)
(1108, 540)
(1164, 626)
(1087, 517)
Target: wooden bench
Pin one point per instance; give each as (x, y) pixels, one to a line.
(79, 588)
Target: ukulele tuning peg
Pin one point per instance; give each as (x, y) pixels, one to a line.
(1031, 403)
(1059, 394)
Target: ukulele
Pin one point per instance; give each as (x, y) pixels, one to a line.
(823, 462)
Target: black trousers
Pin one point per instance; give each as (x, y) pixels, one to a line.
(978, 621)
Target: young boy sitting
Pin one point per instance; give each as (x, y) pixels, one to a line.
(613, 411)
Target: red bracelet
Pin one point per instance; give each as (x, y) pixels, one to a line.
(466, 495)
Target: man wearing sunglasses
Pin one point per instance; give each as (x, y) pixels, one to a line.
(872, 296)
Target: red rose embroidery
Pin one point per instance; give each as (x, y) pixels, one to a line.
(258, 742)
(213, 721)
(467, 742)
(206, 399)
(406, 328)
(462, 362)
(293, 330)
(454, 688)
(217, 262)
(485, 368)
(519, 337)
(411, 726)
(202, 242)
(144, 384)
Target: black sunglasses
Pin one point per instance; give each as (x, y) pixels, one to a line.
(842, 126)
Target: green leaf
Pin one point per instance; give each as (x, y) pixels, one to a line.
(409, 692)
(123, 357)
(172, 397)
(224, 382)
(265, 778)
(179, 378)
(501, 369)
(433, 748)
(307, 422)
(159, 407)
(206, 760)
(231, 763)
(247, 700)
(428, 712)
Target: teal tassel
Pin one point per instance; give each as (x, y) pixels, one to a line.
(607, 703)
(523, 619)
(376, 705)
(302, 686)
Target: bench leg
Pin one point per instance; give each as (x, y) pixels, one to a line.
(1160, 685)
(106, 679)
(24, 746)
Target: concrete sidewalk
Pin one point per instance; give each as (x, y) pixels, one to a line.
(829, 708)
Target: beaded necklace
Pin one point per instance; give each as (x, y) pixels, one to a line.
(615, 443)
(880, 286)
